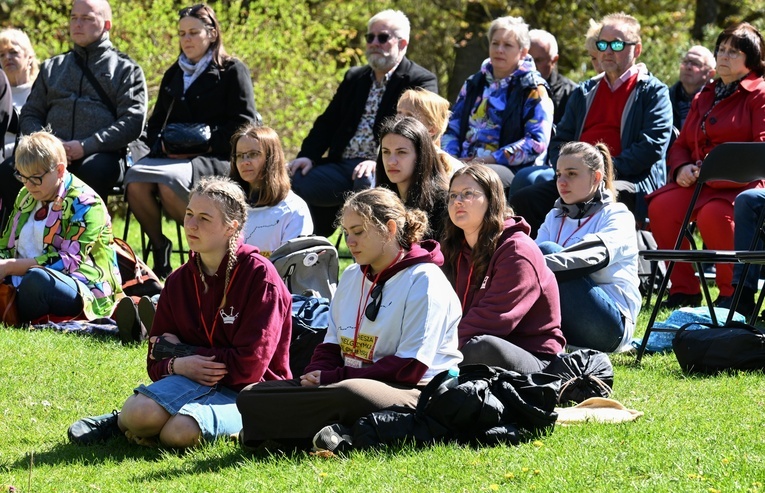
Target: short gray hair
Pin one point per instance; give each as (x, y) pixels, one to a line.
(398, 21)
(513, 24)
(546, 38)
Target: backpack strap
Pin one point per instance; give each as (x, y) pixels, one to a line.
(96, 85)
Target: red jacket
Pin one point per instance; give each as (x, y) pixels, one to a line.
(252, 331)
(738, 118)
(518, 299)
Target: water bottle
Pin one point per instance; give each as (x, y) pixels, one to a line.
(451, 380)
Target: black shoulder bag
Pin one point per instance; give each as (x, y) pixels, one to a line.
(737, 346)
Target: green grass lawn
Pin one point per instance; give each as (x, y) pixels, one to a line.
(698, 434)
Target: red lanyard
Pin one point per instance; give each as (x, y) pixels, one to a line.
(210, 332)
(563, 220)
(362, 306)
(467, 287)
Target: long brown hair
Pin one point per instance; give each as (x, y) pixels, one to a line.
(275, 182)
(492, 228)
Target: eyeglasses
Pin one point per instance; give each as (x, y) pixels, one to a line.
(247, 156)
(464, 196)
(382, 37)
(731, 53)
(373, 308)
(35, 180)
(692, 63)
(616, 45)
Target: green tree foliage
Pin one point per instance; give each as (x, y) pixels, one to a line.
(298, 50)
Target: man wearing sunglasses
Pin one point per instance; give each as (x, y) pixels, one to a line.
(347, 130)
(625, 107)
(93, 98)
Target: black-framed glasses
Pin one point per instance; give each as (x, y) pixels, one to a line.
(382, 37)
(35, 180)
(373, 308)
(616, 45)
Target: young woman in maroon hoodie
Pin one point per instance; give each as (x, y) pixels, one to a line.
(392, 327)
(223, 321)
(510, 303)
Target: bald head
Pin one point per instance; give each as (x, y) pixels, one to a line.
(89, 21)
(544, 50)
(696, 69)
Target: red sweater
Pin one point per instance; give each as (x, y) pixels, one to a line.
(604, 119)
(252, 331)
(517, 300)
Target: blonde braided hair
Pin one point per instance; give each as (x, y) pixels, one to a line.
(233, 205)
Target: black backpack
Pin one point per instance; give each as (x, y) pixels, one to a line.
(137, 278)
(310, 319)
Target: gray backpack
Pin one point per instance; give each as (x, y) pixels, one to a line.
(308, 263)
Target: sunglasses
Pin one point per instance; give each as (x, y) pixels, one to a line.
(374, 307)
(35, 180)
(382, 37)
(191, 11)
(616, 45)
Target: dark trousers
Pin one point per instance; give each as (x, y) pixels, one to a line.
(324, 189)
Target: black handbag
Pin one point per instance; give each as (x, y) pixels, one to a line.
(186, 138)
(737, 346)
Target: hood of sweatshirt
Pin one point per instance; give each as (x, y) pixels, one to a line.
(426, 252)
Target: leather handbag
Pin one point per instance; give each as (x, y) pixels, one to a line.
(8, 304)
(186, 138)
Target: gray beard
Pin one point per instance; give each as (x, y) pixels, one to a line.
(381, 62)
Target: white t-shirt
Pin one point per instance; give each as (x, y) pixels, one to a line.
(269, 227)
(418, 318)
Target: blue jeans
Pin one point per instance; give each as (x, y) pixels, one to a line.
(531, 175)
(589, 317)
(47, 292)
(747, 208)
(324, 189)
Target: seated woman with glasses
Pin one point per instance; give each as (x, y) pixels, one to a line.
(728, 109)
(276, 214)
(510, 302)
(407, 164)
(589, 242)
(204, 86)
(56, 248)
(392, 327)
(503, 116)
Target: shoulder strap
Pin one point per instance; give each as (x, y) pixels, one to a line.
(96, 85)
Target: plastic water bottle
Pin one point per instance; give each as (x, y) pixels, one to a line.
(452, 379)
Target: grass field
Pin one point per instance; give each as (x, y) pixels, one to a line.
(698, 434)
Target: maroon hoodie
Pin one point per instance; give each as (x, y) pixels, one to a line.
(518, 298)
(408, 371)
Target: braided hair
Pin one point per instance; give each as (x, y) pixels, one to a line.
(233, 205)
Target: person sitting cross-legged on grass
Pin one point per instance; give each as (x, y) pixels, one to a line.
(223, 321)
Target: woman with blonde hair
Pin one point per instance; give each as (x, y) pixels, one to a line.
(275, 213)
(223, 322)
(21, 66)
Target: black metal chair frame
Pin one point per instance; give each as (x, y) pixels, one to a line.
(749, 159)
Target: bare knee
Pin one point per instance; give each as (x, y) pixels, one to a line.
(143, 416)
(180, 432)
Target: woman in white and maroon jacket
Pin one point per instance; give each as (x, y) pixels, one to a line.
(510, 305)
(392, 327)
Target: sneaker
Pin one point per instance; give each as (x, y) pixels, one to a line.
(678, 300)
(146, 312)
(161, 254)
(88, 431)
(128, 324)
(335, 438)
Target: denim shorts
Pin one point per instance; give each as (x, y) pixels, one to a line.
(213, 408)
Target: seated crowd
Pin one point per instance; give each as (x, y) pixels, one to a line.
(502, 232)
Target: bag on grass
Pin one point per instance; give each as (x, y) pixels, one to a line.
(737, 346)
(310, 319)
(308, 263)
(8, 308)
(584, 373)
(137, 278)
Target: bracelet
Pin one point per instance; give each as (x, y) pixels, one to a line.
(171, 366)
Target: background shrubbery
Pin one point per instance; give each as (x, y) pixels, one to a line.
(298, 50)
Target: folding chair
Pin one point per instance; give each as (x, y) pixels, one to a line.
(740, 162)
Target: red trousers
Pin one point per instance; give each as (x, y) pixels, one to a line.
(714, 220)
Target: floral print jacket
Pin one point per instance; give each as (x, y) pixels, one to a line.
(76, 242)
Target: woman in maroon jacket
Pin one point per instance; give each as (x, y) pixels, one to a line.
(730, 109)
(510, 301)
(223, 321)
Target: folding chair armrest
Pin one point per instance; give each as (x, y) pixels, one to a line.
(703, 256)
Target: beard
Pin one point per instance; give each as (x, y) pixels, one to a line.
(380, 61)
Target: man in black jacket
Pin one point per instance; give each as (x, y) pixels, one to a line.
(347, 130)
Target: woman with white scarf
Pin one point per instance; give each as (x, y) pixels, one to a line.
(590, 244)
(205, 86)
